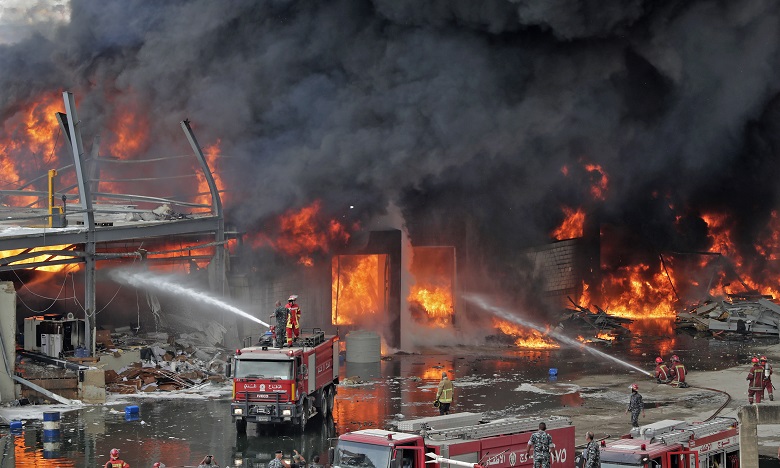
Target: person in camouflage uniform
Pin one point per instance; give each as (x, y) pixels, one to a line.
(280, 314)
(591, 454)
(542, 444)
(635, 405)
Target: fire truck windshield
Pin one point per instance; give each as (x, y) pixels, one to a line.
(355, 454)
(250, 368)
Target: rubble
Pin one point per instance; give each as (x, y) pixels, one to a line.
(595, 327)
(741, 315)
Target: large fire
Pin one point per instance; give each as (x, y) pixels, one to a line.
(431, 296)
(212, 153)
(43, 257)
(436, 302)
(572, 226)
(358, 295)
(525, 338)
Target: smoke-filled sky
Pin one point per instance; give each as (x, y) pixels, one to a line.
(479, 119)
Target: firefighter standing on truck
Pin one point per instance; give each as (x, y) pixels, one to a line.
(635, 405)
(542, 444)
(293, 320)
(755, 380)
(444, 394)
(661, 371)
(280, 314)
(767, 377)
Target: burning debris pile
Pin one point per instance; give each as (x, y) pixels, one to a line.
(740, 314)
(593, 327)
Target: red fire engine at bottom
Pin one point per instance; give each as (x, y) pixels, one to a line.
(467, 440)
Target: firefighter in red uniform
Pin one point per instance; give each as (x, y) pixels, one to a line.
(114, 461)
(767, 377)
(755, 380)
(293, 319)
(678, 373)
(661, 371)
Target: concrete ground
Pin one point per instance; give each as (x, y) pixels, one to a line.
(604, 399)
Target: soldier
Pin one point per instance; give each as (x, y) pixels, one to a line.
(635, 405)
(591, 454)
(767, 377)
(293, 319)
(280, 314)
(542, 444)
(678, 373)
(661, 371)
(755, 380)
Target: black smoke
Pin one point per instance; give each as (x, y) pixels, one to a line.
(463, 113)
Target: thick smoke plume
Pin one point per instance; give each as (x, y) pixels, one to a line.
(478, 119)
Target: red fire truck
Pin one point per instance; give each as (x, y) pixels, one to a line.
(461, 439)
(285, 385)
(673, 444)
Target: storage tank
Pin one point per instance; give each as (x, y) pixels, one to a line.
(363, 346)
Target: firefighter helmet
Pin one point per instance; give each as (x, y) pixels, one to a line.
(156, 465)
(754, 360)
(763, 359)
(658, 360)
(675, 358)
(292, 298)
(634, 387)
(114, 453)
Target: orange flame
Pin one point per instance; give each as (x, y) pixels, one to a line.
(572, 226)
(42, 257)
(130, 131)
(304, 232)
(633, 293)
(525, 338)
(212, 154)
(599, 187)
(436, 302)
(357, 292)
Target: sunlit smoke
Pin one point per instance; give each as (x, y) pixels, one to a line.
(500, 312)
(169, 284)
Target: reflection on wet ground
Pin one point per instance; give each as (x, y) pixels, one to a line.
(496, 381)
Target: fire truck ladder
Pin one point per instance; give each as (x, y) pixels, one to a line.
(697, 431)
(498, 427)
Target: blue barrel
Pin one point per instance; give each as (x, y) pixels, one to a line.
(133, 409)
(51, 425)
(16, 426)
(553, 371)
(51, 450)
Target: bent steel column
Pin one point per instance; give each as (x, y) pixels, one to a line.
(216, 207)
(85, 194)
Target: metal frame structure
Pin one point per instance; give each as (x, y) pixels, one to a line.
(91, 234)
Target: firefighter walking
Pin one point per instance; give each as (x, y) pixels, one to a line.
(635, 405)
(114, 460)
(767, 377)
(293, 326)
(444, 394)
(755, 380)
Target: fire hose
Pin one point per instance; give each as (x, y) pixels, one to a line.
(728, 400)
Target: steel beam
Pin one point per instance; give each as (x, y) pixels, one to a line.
(85, 198)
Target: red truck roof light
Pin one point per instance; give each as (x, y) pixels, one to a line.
(603, 443)
(238, 352)
(643, 447)
(390, 436)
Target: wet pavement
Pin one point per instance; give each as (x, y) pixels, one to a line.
(498, 380)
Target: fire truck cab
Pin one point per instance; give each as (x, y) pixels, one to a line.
(462, 439)
(285, 385)
(676, 444)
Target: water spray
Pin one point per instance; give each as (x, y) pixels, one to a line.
(481, 302)
(166, 284)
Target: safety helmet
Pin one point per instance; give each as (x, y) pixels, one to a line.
(114, 453)
(292, 297)
(156, 465)
(675, 358)
(633, 386)
(763, 359)
(754, 360)
(658, 360)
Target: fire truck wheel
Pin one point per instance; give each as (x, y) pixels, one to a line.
(329, 397)
(241, 426)
(324, 407)
(304, 415)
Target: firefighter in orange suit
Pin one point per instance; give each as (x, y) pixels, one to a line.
(767, 377)
(755, 380)
(678, 373)
(661, 371)
(114, 460)
(293, 320)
